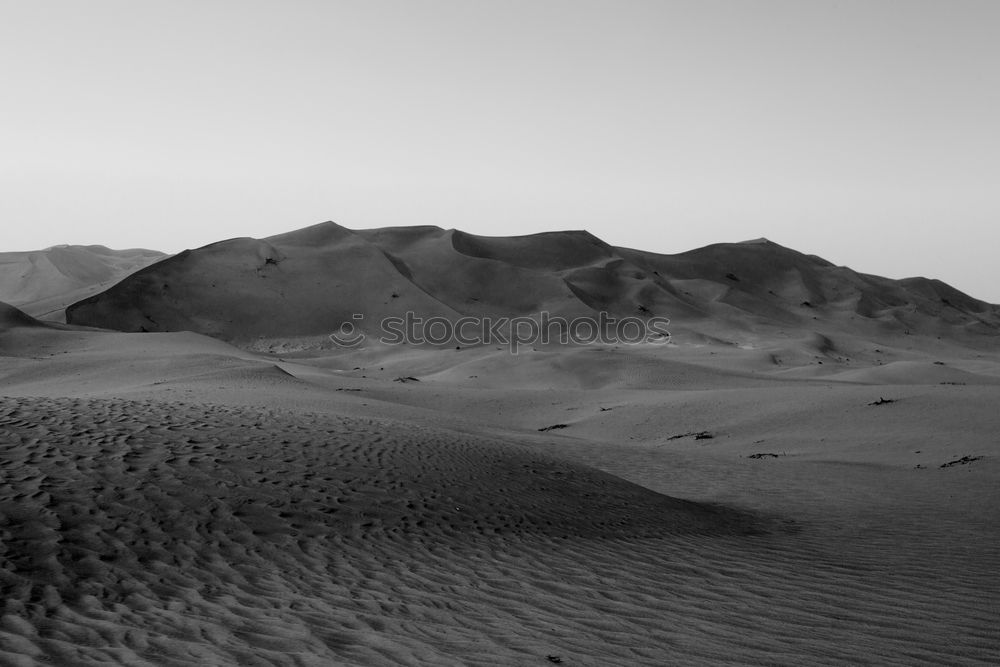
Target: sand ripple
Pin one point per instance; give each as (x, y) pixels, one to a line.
(177, 534)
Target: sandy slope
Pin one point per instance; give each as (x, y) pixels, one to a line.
(171, 499)
(44, 282)
(120, 508)
(304, 284)
(174, 533)
(15, 318)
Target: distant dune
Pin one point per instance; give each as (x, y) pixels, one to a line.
(44, 282)
(306, 283)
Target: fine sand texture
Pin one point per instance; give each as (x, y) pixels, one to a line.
(171, 499)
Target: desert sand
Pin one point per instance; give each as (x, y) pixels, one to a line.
(782, 484)
(43, 283)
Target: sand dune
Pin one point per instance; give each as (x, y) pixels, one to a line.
(461, 271)
(914, 372)
(771, 283)
(303, 284)
(409, 523)
(11, 317)
(784, 483)
(310, 281)
(44, 282)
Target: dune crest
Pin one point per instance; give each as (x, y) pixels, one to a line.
(44, 282)
(310, 281)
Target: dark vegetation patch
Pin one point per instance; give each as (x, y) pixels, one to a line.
(883, 401)
(698, 435)
(965, 460)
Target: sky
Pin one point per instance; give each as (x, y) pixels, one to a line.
(866, 132)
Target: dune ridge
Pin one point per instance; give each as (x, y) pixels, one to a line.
(44, 282)
(310, 281)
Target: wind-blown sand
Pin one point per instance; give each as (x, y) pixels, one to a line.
(174, 533)
(167, 499)
(786, 483)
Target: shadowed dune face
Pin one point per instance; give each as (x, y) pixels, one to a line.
(301, 284)
(471, 284)
(11, 317)
(309, 282)
(44, 282)
(767, 282)
(549, 251)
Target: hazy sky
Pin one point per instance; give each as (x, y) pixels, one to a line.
(866, 132)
